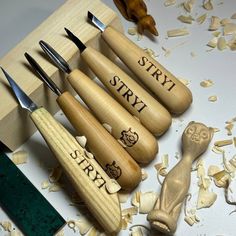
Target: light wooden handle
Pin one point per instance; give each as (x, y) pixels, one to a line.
(136, 139)
(111, 156)
(171, 92)
(130, 94)
(86, 176)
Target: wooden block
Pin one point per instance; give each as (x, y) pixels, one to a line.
(15, 126)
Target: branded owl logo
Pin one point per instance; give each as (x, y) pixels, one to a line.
(113, 170)
(129, 138)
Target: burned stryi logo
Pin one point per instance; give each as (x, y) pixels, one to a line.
(129, 138)
(113, 171)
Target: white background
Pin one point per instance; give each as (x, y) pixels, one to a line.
(18, 18)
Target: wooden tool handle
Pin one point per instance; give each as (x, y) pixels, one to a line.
(86, 176)
(136, 139)
(112, 157)
(131, 95)
(171, 92)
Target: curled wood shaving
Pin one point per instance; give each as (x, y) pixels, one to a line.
(206, 83)
(186, 19)
(222, 143)
(212, 98)
(188, 5)
(205, 198)
(107, 127)
(112, 186)
(215, 23)
(221, 43)
(161, 167)
(6, 225)
(147, 202)
(201, 19)
(207, 4)
(83, 225)
(229, 128)
(82, 140)
(131, 211)
(123, 197)
(233, 16)
(144, 174)
(221, 178)
(229, 29)
(45, 184)
(213, 42)
(20, 157)
(177, 32)
(217, 150)
(168, 3)
(55, 174)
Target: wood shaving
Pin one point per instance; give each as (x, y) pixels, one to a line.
(6, 225)
(222, 143)
(147, 202)
(221, 43)
(217, 150)
(213, 42)
(215, 23)
(213, 170)
(55, 174)
(136, 231)
(131, 211)
(212, 98)
(107, 127)
(188, 5)
(216, 33)
(225, 21)
(232, 43)
(88, 154)
(221, 178)
(82, 140)
(132, 31)
(206, 83)
(168, 3)
(55, 187)
(193, 54)
(234, 139)
(161, 167)
(152, 54)
(191, 219)
(201, 19)
(20, 157)
(83, 225)
(229, 128)
(112, 186)
(167, 51)
(60, 233)
(184, 81)
(186, 19)
(135, 200)
(233, 16)
(177, 32)
(229, 29)
(144, 174)
(93, 232)
(207, 4)
(123, 197)
(45, 184)
(205, 198)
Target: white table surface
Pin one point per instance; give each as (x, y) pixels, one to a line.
(18, 18)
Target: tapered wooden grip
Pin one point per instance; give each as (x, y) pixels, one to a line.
(136, 139)
(112, 157)
(86, 176)
(131, 95)
(170, 91)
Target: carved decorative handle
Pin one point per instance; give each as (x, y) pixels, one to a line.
(136, 139)
(129, 93)
(85, 174)
(171, 92)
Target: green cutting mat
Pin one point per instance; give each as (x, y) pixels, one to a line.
(24, 204)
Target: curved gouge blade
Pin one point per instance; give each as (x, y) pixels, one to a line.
(96, 21)
(55, 57)
(42, 74)
(76, 40)
(23, 99)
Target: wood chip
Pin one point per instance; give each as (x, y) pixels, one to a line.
(217, 150)
(186, 19)
(213, 170)
(229, 29)
(45, 184)
(20, 157)
(191, 219)
(107, 127)
(152, 54)
(232, 161)
(225, 21)
(135, 200)
(215, 23)
(147, 202)
(144, 174)
(6, 225)
(212, 98)
(55, 174)
(84, 225)
(216, 33)
(55, 187)
(233, 16)
(92, 232)
(137, 231)
(221, 179)
(184, 81)
(18, 233)
(123, 197)
(112, 186)
(132, 31)
(229, 128)
(177, 32)
(82, 140)
(206, 83)
(131, 210)
(168, 3)
(205, 198)
(222, 143)
(213, 42)
(201, 19)
(188, 5)
(207, 4)
(234, 139)
(221, 43)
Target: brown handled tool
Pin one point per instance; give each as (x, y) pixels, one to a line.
(130, 94)
(171, 92)
(111, 156)
(135, 138)
(164, 216)
(86, 175)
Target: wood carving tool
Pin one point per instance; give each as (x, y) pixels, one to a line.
(87, 177)
(195, 140)
(169, 90)
(108, 152)
(134, 137)
(24, 204)
(130, 94)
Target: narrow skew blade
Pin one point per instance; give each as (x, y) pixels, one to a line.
(23, 99)
(96, 21)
